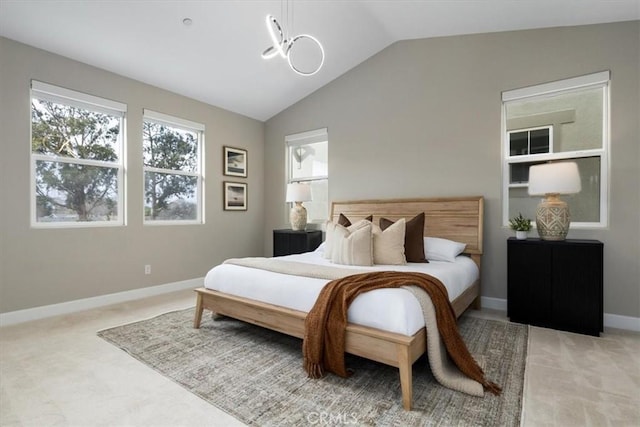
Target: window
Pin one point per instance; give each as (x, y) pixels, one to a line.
(562, 120)
(77, 172)
(173, 179)
(308, 161)
(523, 142)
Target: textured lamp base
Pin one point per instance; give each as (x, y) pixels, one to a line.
(553, 218)
(298, 217)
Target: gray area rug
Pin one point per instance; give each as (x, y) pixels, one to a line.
(256, 375)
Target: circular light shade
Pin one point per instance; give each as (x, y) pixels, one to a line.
(277, 38)
(300, 68)
(283, 47)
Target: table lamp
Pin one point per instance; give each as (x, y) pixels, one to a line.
(550, 180)
(298, 193)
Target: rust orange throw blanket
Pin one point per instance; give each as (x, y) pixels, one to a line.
(324, 337)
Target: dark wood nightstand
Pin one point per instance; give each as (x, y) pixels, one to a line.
(556, 284)
(287, 242)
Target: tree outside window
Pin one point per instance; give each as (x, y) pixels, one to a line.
(76, 161)
(173, 183)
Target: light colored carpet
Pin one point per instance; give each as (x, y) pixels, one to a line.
(256, 375)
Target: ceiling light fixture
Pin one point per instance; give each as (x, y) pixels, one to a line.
(283, 45)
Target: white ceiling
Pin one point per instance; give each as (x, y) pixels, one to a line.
(217, 59)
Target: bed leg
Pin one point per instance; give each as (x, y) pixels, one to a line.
(476, 305)
(199, 309)
(406, 376)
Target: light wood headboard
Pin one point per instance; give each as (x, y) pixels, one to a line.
(455, 218)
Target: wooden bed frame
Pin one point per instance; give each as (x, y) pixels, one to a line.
(459, 219)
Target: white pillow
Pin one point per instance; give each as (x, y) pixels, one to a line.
(352, 245)
(388, 245)
(437, 249)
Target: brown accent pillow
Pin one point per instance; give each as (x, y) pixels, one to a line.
(344, 221)
(413, 237)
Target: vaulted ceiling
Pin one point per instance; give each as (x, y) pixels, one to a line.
(217, 58)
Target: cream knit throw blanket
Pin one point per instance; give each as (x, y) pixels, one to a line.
(443, 369)
(295, 268)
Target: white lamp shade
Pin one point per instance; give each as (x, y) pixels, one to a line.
(297, 192)
(554, 178)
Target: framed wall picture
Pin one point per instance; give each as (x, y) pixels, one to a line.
(235, 196)
(235, 161)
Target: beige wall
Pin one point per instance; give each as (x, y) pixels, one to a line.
(40, 267)
(422, 118)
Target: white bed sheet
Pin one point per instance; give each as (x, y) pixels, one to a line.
(393, 310)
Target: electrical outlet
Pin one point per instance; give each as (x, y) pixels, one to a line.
(147, 269)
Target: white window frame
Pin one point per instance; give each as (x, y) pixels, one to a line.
(596, 80)
(60, 95)
(299, 139)
(513, 159)
(187, 125)
(528, 130)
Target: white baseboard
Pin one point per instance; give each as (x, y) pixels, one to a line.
(622, 322)
(493, 303)
(45, 311)
(610, 320)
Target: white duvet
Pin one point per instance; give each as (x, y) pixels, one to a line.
(393, 310)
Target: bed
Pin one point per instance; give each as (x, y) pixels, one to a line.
(458, 219)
